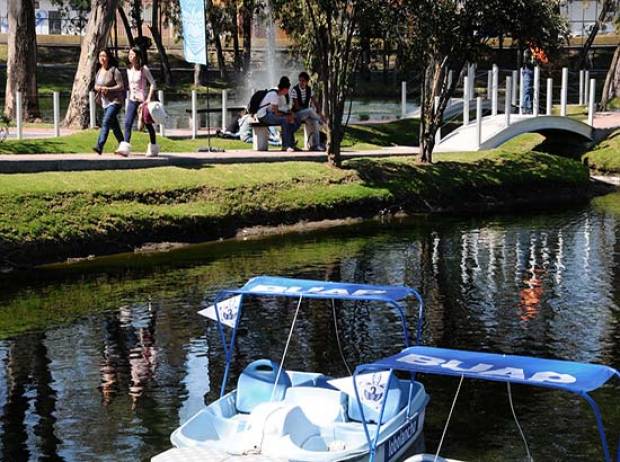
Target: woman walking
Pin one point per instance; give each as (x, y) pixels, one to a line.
(110, 94)
(138, 75)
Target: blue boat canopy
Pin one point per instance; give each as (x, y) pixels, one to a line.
(289, 287)
(549, 373)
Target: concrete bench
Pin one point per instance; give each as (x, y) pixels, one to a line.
(260, 136)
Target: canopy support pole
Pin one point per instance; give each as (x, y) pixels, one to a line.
(288, 342)
(227, 349)
(599, 424)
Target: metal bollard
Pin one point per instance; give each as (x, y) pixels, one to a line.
(479, 121)
(495, 89)
(466, 98)
(515, 86)
(535, 102)
(194, 115)
(56, 101)
(564, 94)
(586, 87)
(403, 98)
(592, 94)
(162, 126)
(489, 84)
(92, 108)
(549, 96)
(508, 107)
(224, 108)
(19, 117)
(581, 84)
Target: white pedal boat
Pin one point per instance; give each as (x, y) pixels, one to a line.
(280, 415)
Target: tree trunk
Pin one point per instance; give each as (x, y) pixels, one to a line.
(22, 60)
(247, 11)
(198, 73)
(215, 27)
(611, 89)
(163, 57)
(606, 9)
(97, 30)
(126, 26)
(234, 15)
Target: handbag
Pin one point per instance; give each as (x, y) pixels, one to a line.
(146, 115)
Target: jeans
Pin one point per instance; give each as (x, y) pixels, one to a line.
(528, 90)
(130, 116)
(312, 120)
(109, 121)
(288, 129)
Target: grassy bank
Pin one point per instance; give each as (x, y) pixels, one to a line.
(357, 137)
(605, 157)
(51, 216)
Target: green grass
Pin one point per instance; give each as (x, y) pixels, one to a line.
(605, 157)
(356, 138)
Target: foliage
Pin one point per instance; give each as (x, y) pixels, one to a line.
(606, 156)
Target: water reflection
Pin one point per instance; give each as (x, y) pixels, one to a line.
(113, 385)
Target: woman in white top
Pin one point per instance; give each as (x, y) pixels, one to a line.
(138, 76)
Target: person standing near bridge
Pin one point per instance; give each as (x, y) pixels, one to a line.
(527, 74)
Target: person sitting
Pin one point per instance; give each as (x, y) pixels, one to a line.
(302, 96)
(240, 128)
(270, 113)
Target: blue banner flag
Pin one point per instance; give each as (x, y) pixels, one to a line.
(194, 30)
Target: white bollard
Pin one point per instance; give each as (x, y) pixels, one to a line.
(521, 92)
(162, 126)
(92, 109)
(515, 86)
(591, 94)
(508, 107)
(478, 121)
(564, 94)
(586, 87)
(194, 115)
(581, 84)
(535, 102)
(403, 98)
(19, 119)
(466, 98)
(471, 78)
(56, 102)
(224, 108)
(438, 132)
(489, 84)
(495, 89)
(549, 96)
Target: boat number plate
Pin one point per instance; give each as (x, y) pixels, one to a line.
(400, 439)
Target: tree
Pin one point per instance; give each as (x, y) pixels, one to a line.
(442, 35)
(325, 31)
(166, 71)
(97, 30)
(246, 11)
(22, 59)
(608, 8)
(611, 88)
(215, 17)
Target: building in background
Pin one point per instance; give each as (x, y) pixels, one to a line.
(582, 14)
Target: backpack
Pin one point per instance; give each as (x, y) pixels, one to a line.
(256, 99)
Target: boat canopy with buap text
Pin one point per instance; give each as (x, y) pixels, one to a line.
(579, 378)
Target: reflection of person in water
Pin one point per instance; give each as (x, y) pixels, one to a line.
(129, 347)
(531, 295)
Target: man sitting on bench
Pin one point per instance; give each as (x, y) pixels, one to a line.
(269, 113)
(302, 96)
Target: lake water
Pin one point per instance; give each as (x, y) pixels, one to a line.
(115, 382)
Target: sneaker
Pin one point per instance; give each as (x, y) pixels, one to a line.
(290, 149)
(97, 150)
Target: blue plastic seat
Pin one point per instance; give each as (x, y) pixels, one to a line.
(396, 400)
(256, 385)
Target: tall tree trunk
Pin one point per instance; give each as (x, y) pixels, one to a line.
(215, 27)
(22, 59)
(126, 26)
(198, 74)
(234, 17)
(611, 89)
(607, 7)
(97, 30)
(247, 12)
(163, 57)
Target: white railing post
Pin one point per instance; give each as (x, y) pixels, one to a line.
(478, 121)
(403, 98)
(536, 101)
(224, 108)
(194, 115)
(471, 77)
(56, 103)
(521, 92)
(592, 94)
(19, 117)
(162, 126)
(586, 87)
(489, 84)
(515, 87)
(466, 98)
(92, 109)
(564, 94)
(508, 107)
(438, 132)
(495, 89)
(581, 84)
(549, 96)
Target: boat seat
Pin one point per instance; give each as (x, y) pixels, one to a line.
(321, 406)
(397, 395)
(256, 385)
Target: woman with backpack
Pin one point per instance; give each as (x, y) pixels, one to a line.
(138, 75)
(110, 94)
